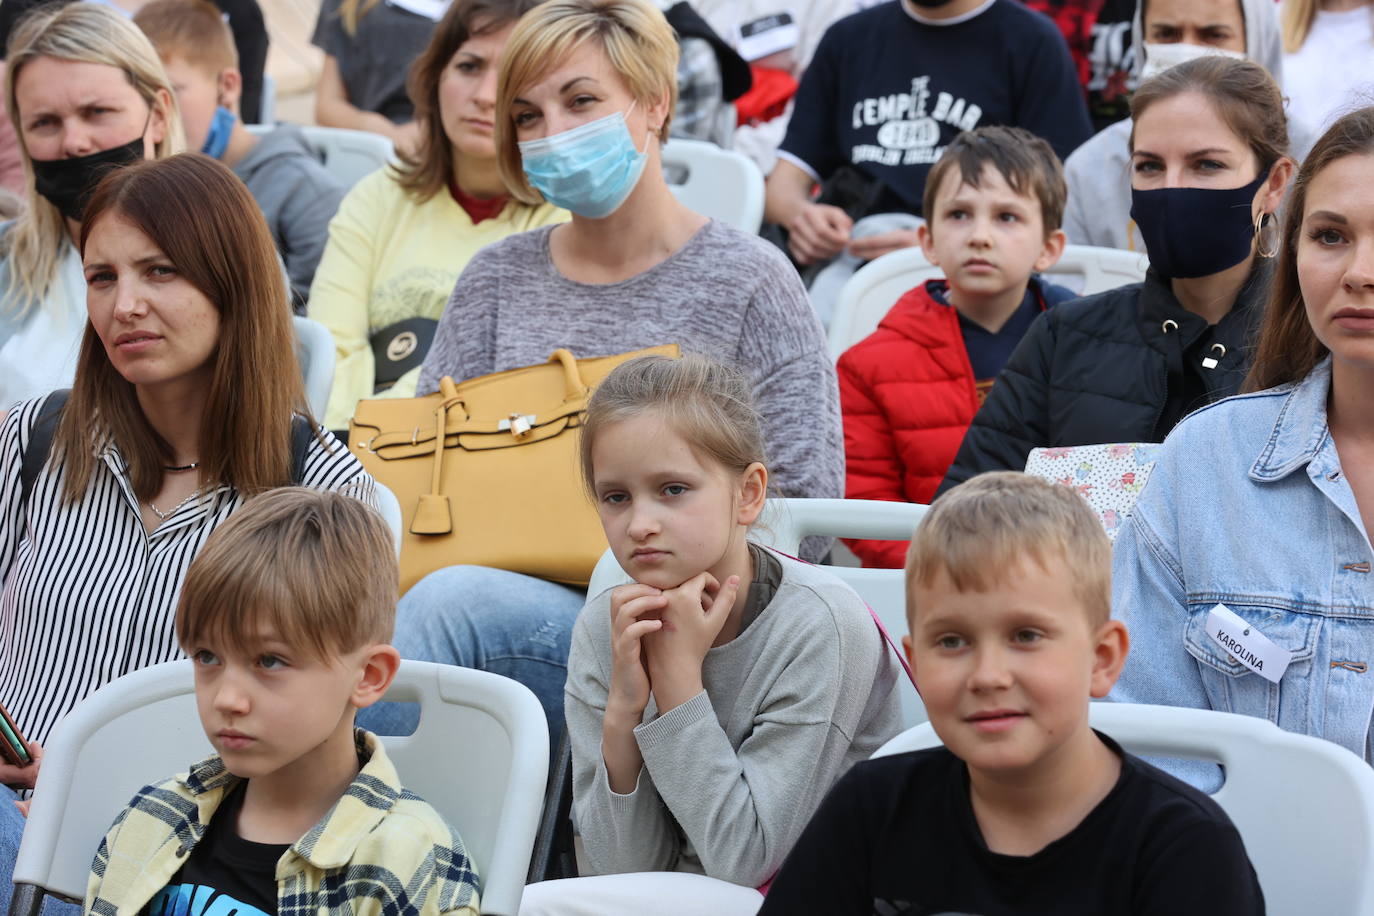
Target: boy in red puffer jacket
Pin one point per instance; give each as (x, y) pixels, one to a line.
(908, 391)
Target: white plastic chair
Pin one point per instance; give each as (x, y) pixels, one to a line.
(719, 183)
(315, 349)
(1304, 806)
(267, 109)
(348, 155)
(783, 525)
(876, 287)
(389, 507)
(480, 756)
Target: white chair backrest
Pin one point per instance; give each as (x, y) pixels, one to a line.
(267, 110)
(876, 287)
(480, 756)
(783, 525)
(348, 155)
(1303, 806)
(390, 509)
(719, 183)
(315, 349)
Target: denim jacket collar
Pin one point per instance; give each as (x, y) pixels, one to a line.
(1300, 429)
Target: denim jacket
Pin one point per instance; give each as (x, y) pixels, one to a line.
(1248, 507)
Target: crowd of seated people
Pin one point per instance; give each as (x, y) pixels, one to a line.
(158, 452)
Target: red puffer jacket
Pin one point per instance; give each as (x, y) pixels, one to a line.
(907, 394)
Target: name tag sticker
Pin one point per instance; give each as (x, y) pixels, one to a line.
(1246, 644)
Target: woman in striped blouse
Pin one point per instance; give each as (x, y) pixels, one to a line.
(183, 406)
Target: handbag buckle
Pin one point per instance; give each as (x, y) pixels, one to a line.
(518, 424)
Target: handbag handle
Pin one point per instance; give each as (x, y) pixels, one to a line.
(432, 513)
(573, 385)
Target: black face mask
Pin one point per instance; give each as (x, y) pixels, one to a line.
(69, 183)
(1196, 232)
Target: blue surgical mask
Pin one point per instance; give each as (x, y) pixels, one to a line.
(1196, 232)
(217, 140)
(589, 170)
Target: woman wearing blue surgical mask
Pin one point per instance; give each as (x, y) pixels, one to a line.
(584, 100)
(86, 93)
(1209, 170)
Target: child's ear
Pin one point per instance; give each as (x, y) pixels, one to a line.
(380, 663)
(910, 656)
(1052, 252)
(926, 239)
(229, 88)
(1109, 657)
(753, 491)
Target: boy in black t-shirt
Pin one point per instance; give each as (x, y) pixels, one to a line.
(1026, 809)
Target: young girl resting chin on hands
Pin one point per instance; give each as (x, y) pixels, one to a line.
(714, 700)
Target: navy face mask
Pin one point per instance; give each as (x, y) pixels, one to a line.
(1196, 232)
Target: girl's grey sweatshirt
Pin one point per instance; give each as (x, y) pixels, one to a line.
(732, 776)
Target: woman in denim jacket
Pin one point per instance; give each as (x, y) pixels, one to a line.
(1262, 502)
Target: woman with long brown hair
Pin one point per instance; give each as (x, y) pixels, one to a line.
(85, 92)
(1256, 520)
(404, 234)
(188, 400)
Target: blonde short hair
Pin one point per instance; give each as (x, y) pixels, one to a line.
(316, 566)
(87, 33)
(192, 30)
(637, 40)
(978, 532)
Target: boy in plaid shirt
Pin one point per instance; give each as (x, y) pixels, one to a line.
(285, 614)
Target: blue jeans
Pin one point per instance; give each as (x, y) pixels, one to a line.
(490, 619)
(11, 831)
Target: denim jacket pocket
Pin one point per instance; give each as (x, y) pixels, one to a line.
(1232, 687)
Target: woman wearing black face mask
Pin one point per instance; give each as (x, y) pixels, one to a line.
(86, 93)
(1209, 168)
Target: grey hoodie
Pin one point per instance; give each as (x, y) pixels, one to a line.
(1098, 174)
(297, 196)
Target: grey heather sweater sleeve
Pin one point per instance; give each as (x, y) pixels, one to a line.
(455, 352)
(620, 833)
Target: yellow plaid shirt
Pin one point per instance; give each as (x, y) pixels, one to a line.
(380, 850)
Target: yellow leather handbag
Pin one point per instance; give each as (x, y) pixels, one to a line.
(486, 471)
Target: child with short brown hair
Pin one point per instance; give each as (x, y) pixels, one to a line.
(1026, 808)
(908, 391)
(286, 613)
(296, 194)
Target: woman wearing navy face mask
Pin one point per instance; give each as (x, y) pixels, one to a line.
(86, 93)
(584, 99)
(1209, 168)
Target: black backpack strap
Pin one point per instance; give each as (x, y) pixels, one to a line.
(40, 442)
(302, 433)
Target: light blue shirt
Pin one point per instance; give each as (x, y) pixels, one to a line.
(38, 350)
(1248, 507)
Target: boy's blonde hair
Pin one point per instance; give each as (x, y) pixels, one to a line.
(978, 532)
(316, 567)
(192, 30)
(1026, 162)
(637, 41)
(709, 405)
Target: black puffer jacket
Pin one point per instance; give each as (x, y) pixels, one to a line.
(1124, 365)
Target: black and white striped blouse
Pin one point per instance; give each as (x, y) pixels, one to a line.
(87, 594)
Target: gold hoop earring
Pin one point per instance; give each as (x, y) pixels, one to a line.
(1261, 223)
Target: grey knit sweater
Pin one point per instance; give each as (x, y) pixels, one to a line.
(724, 294)
(732, 776)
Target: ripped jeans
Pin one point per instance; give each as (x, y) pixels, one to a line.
(490, 619)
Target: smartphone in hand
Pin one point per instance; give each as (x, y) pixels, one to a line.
(14, 750)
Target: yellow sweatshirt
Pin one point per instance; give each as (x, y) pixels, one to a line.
(389, 259)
